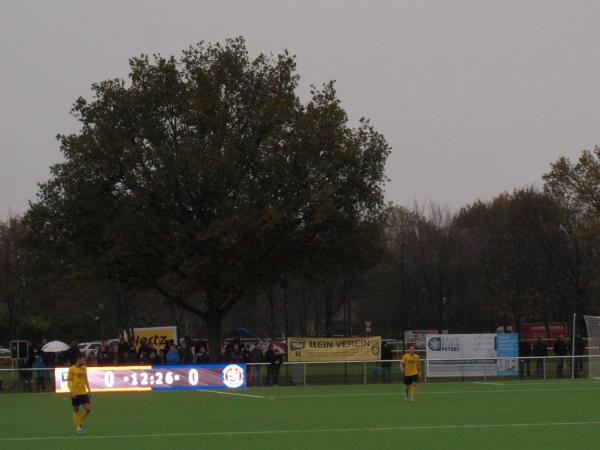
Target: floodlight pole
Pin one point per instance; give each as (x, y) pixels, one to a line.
(573, 349)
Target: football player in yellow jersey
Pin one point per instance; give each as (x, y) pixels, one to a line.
(81, 392)
(410, 364)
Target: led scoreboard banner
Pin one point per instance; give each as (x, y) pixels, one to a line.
(158, 378)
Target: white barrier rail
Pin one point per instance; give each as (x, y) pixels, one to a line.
(354, 372)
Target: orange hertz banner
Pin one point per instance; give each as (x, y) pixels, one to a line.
(159, 336)
(334, 349)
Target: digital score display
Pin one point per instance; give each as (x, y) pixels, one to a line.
(158, 378)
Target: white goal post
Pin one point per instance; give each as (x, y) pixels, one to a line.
(593, 329)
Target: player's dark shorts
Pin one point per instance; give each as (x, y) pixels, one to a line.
(411, 379)
(80, 400)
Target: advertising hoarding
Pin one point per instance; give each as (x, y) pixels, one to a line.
(472, 355)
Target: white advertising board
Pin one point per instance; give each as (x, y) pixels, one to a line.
(470, 355)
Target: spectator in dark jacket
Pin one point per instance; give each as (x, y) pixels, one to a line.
(256, 357)
(275, 361)
(187, 354)
(524, 352)
(48, 357)
(116, 357)
(166, 349)
(560, 349)
(579, 352)
(143, 359)
(91, 360)
(539, 350)
(152, 351)
(44, 342)
(235, 355)
(172, 357)
(144, 347)
(153, 359)
(386, 365)
(26, 372)
(131, 347)
(104, 356)
(41, 372)
(72, 353)
(123, 349)
(202, 355)
(132, 356)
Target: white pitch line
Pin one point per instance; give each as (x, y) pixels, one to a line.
(513, 391)
(547, 382)
(486, 382)
(422, 392)
(316, 430)
(230, 393)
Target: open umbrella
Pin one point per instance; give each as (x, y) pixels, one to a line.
(55, 346)
(241, 332)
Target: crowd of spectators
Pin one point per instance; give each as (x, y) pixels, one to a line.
(126, 352)
(190, 352)
(560, 349)
(185, 352)
(37, 365)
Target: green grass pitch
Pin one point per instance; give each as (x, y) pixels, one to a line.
(460, 415)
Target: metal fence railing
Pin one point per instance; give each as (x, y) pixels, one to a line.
(364, 372)
(388, 371)
(26, 380)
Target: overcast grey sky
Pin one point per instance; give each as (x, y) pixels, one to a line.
(475, 97)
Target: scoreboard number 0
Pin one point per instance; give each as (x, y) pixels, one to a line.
(193, 377)
(109, 379)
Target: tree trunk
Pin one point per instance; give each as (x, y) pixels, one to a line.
(304, 311)
(580, 307)
(286, 324)
(214, 321)
(271, 297)
(8, 297)
(122, 312)
(317, 318)
(10, 302)
(328, 311)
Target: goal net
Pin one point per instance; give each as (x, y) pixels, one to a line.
(593, 329)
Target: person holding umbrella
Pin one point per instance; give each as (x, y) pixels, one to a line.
(56, 348)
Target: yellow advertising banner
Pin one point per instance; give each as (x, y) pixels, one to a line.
(334, 349)
(159, 336)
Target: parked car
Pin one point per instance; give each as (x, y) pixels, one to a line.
(88, 348)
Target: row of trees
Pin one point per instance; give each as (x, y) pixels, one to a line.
(519, 257)
(203, 192)
(523, 256)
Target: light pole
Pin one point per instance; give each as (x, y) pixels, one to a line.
(101, 309)
(445, 312)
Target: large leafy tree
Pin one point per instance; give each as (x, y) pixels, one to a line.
(12, 280)
(576, 186)
(205, 175)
